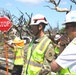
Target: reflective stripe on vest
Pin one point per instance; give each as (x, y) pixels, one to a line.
(34, 63)
(42, 46)
(17, 57)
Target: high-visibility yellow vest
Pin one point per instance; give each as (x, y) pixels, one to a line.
(65, 72)
(35, 58)
(19, 56)
(56, 50)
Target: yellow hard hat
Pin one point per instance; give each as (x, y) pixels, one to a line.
(18, 42)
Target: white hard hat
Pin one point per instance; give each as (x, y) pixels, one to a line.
(39, 18)
(57, 37)
(70, 17)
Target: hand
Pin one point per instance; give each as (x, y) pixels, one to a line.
(5, 41)
(64, 40)
(45, 70)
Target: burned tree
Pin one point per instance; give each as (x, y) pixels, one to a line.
(27, 23)
(4, 12)
(21, 25)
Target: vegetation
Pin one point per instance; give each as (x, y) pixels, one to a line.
(1, 39)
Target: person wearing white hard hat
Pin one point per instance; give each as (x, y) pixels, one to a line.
(40, 51)
(57, 44)
(57, 37)
(67, 59)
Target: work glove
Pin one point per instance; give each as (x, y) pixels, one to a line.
(45, 70)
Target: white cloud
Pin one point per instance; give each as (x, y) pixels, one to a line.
(8, 4)
(63, 3)
(31, 1)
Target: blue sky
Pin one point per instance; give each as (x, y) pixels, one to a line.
(37, 7)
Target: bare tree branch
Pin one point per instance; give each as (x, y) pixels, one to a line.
(28, 23)
(58, 2)
(4, 12)
(73, 1)
(53, 2)
(57, 8)
(29, 16)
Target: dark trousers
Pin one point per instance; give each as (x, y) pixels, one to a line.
(17, 70)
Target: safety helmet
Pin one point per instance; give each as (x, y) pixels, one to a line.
(39, 18)
(70, 17)
(57, 37)
(18, 42)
